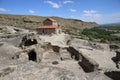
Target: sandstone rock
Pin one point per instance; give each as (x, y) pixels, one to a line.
(8, 50)
(33, 71)
(101, 77)
(64, 54)
(13, 30)
(99, 46)
(98, 52)
(89, 45)
(56, 40)
(88, 64)
(54, 57)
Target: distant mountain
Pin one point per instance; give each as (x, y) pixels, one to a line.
(112, 24)
(73, 26)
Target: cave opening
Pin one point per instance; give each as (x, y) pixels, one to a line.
(30, 42)
(32, 55)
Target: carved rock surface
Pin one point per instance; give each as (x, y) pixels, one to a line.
(33, 71)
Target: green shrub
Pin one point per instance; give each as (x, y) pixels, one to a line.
(100, 33)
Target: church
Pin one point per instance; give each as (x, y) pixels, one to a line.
(50, 26)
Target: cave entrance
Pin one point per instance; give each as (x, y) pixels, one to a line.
(30, 42)
(32, 55)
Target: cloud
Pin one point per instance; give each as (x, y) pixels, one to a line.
(91, 13)
(31, 11)
(3, 10)
(53, 4)
(94, 16)
(91, 16)
(72, 10)
(67, 1)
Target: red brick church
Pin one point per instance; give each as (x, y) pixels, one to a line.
(50, 26)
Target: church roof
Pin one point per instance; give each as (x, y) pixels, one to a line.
(49, 26)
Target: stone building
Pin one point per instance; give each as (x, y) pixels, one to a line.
(50, 26)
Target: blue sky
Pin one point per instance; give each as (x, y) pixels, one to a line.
(100, 11)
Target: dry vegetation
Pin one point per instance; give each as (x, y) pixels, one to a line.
(30, 22)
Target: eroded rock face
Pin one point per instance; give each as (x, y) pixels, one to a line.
(58, 59)
(65, 54)
(33, 71)
(12, 29)
(88, 64)
(98, 52)
(8, 51)
(89, 45)
(29, 40)
(6, 71)
(99, 46)
(114, 47)
(75, 53)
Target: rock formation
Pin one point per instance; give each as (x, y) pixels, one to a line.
(28, 56)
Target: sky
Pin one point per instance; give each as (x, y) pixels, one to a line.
(100, 11)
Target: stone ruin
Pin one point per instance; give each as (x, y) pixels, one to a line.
(85, 62)
(32, 48)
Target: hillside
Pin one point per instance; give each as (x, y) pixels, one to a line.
(31, 22)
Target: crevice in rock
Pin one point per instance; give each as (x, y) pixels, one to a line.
(85, 62)
(56, 48)
(74, 53)
(116, 59)
(55, 62)
(114, 47)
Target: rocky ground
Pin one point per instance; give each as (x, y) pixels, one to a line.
(26, 55)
